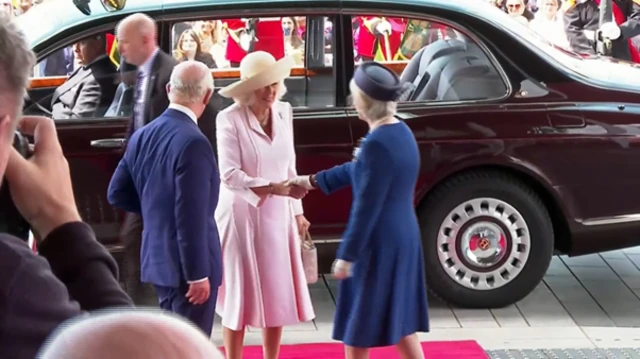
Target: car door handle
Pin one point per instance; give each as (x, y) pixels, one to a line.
(566, 120)
(108, 143)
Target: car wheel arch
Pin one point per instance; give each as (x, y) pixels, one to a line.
(558, 215)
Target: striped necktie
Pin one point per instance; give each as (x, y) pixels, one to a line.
(138, 109)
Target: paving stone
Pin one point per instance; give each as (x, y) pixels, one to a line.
(617, 254)
(558, 268)
(542, 308)
(622, 266)
(591, 260)
(509, 317)
(475, 318)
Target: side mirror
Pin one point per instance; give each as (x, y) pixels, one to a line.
(83, 6)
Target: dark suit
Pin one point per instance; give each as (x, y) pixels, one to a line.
(73, 273)
(157, 100)
(156, 103)
(169, 175)
(87, 93)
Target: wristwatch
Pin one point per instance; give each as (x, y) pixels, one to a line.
(312, 181)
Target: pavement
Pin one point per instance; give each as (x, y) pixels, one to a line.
(588, 304)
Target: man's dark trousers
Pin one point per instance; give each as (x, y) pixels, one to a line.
(174, 300)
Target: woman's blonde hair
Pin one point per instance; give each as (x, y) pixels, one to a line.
(250, 97)
(371, 109)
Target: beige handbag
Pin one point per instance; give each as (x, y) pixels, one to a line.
(309, 259)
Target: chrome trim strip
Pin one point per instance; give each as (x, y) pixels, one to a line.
(326, 241)
(612, 220)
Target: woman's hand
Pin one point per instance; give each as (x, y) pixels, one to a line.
(303, 225)
(289, 190)
(280, 189)
(341, 269)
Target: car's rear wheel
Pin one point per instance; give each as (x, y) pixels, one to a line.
(488, 240)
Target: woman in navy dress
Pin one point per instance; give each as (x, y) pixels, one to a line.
(382, 298)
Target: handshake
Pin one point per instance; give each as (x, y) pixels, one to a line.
(296, 187)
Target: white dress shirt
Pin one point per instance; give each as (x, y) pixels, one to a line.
(187, 111)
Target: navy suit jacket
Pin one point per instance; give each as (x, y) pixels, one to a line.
(169, 175)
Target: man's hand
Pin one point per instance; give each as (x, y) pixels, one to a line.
(41, 186)
(610, 30)
(384, 27)
(198, 292)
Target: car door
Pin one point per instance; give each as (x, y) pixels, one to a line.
(92, 144)
(321, 130)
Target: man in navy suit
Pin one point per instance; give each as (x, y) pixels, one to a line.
(169, 175)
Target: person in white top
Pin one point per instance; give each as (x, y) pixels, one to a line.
(549, 24)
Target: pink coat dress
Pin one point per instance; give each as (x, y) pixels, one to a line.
(263, 278)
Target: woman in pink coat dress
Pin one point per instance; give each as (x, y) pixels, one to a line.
(259, 218)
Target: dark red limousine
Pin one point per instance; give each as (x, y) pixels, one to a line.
(526, 148)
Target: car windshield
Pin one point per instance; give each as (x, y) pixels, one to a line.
(591, 68)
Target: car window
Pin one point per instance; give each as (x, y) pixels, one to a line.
(441, 63)
(221, 44)
(80, 81)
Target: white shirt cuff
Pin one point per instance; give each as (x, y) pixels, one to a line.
(197, 281)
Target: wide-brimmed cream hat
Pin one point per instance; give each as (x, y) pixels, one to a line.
(257, 70)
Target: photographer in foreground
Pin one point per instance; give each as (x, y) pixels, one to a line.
(74, 272)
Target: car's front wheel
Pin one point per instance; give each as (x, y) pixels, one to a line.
(488, 240)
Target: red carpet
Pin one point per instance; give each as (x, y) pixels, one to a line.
(432, 350)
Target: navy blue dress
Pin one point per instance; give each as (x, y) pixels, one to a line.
(386, 297)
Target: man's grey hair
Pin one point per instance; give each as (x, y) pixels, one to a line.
(129, 334)
(190, 81)
(373, 110)
(16, 65)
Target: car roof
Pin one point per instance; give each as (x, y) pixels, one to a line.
(58, 17)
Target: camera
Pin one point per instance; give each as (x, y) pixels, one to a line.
(11, 221)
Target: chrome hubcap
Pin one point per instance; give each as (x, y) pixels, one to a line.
(483, 243)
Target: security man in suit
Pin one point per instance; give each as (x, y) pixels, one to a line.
(90, 89)
(581, 21)
(138, 44)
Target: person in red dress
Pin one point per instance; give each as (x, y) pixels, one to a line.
(269, 37)
(234, 28)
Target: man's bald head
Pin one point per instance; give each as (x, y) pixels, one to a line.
(137, 38)
(130, 335)
(191, 84)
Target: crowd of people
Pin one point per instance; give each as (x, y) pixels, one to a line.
(574, 24)
(17, 7)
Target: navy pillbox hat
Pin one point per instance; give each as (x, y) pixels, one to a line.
(378, 82)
